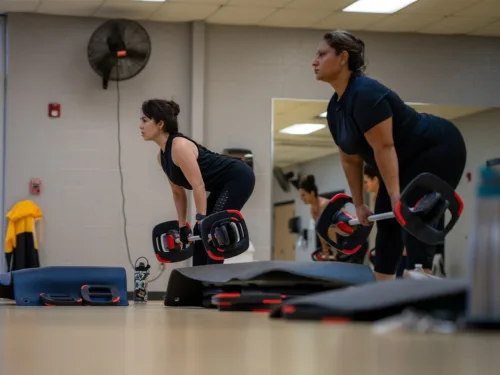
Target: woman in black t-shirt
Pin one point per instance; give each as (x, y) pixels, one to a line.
(370, 123)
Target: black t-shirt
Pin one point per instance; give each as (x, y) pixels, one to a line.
(366, 103)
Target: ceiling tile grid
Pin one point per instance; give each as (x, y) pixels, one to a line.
(184, 12)
(69, 7)
(470, 17)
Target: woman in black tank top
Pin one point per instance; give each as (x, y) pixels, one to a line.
(191, 166)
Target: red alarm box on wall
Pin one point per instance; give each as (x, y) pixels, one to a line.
(54, 110)
(35, 186)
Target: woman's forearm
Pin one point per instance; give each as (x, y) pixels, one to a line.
(200, 199)
(180, 199)
(353, 169)
(387, 162)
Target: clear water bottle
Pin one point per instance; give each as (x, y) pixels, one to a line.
(419, 273)
(483, 302)
(141, 274)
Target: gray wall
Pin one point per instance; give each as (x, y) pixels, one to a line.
(76, 156)
(482, 134)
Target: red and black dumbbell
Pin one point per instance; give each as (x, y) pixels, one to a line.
(224, 235)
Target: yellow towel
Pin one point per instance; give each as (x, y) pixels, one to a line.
(22, 218)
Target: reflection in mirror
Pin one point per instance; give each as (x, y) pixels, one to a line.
(304, 148)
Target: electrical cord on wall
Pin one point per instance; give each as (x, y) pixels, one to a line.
(162, 266)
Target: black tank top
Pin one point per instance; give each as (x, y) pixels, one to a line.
(214, 168)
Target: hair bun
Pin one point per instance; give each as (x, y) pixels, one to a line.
(311, 178)
(176, 109)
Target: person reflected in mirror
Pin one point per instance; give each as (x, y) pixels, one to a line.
(309, 195)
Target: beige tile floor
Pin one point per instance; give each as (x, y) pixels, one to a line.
(153, 339)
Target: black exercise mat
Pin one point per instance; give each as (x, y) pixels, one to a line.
(377, 300)
(188, 286)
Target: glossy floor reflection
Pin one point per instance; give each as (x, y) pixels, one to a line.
(153, 339)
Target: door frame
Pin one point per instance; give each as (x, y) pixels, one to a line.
(277, 204)
(284, 203)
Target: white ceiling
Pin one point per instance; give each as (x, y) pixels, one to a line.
(472, 17)
(295, 149)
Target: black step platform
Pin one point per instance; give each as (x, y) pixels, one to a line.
(377, 300)
(195, 286)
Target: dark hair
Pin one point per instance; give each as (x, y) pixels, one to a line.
(341, 40)
(308, 183)
(370, 171)
(163, 110)
(167, 111)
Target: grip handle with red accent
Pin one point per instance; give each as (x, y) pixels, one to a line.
(317, 256)
(224, 235)
(350, 239)
(419, 220)
(230, 225)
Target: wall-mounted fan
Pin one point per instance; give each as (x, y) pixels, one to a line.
(119, 50)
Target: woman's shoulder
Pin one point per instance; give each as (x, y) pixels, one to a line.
(368, 86)
(181, 142)
(182, 147)
(323, 202)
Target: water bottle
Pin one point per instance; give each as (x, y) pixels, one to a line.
(419, 273)
(483, 302)
(141, 274)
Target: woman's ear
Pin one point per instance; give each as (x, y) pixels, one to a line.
(344, 57)
(160, 124)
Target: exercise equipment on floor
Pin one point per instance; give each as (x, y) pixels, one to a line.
(255, 301)
(317, 256)
(90, 295)
(419, 220)
(224, 235)
(66, 286)
(378, 300)
(356, 257)
(199, 286)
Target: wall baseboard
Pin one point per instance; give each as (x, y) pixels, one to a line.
(152, 296)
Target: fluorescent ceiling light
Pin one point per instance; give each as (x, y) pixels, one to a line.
(301, 129)
(378, 6)
(322, 115)
(417, 103)
(153, 1)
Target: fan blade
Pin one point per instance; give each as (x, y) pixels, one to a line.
(118, 29)
(106, 64)
(133, 54)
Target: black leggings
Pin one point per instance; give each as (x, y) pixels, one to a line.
(233, 196)
(444, 155)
